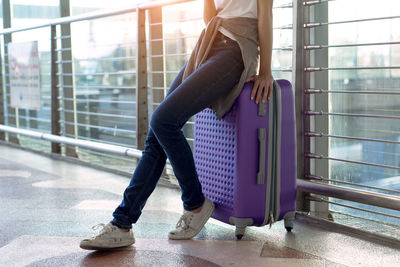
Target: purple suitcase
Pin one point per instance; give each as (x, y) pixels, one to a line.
(246, 161)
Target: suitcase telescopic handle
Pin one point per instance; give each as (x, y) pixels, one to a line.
(262, 136)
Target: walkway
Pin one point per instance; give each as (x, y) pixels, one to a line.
(48, 206)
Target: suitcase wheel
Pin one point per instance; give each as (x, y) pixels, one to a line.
(239, 232)
(289, 219)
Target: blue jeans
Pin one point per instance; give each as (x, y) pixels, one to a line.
(213, 79)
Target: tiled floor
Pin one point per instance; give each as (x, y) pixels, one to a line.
(48, 206)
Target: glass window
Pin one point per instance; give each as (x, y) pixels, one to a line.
(363, 99)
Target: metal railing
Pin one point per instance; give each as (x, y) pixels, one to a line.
(323, 172)
(70, 113)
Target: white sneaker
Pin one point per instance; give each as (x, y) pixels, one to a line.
(191, 223)
(109, 237)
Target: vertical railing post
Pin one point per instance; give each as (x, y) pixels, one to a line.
(320, 80)
(142, 123)
(157, 94)
(2, 100)
(156, 57)
(300, 83)
(68, 89)
(12, 113)
(55, 104)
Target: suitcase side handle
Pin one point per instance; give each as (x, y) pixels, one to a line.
(262, 137)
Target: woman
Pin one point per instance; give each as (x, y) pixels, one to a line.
(224, 58)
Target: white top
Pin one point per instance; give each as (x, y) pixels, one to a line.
(236, 8)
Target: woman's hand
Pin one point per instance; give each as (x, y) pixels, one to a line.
(262, 84)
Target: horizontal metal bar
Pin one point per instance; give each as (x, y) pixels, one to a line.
(164, 71)
(319, 178)
(170, 55)
(314, 2)
(62, 37)
(63, 49)
(316, 156)
(95, 15)
(99, 127)
(75, 142)
(320, 91)
(317, 199)
(114, 110)
(322, 113)
(311, 46)
(155, 24)
(99, 114)
(41, 130)
(119, 44)
(98, 101)
(41, 74)
(287, 5)
(355, 195)
(97, 146)
(157, 88)
(311, 69)
(110, 156)
(98, 140)
(284, 27)
(172, 38)
(106, 59)
(43, 97)
(27, 118)
(64, 62)
(283, 48)
(317, 24)
(99, 73)
(314, 134)
(97, 86)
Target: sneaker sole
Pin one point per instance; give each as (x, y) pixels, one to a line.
(93, 247)
(209, 213)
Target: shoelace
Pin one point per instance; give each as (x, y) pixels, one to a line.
(103, 230)
(184, 221)
(97, 226)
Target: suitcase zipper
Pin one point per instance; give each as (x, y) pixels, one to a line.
(272, 193)
(274, 143)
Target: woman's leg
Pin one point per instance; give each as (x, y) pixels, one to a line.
(144, 178)
(216, 77)
(213, 79)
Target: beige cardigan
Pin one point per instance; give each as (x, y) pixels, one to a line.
(245, 32)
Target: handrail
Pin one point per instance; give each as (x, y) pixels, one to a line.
(95, 15)
(350, 194)
(119, 150)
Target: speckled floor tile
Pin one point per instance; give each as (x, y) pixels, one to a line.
(48, 206)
